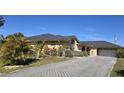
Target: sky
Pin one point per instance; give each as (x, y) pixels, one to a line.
(90, 28)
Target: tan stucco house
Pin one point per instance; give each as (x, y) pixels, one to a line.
(99, 48)
(94, 48)
(55, 41)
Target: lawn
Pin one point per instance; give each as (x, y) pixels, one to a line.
(42, 61)
(118, 70)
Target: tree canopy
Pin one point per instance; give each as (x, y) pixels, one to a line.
(1, 21)
(15, 48)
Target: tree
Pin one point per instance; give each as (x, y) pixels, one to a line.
(15, 48)
(38, 49)
(46, 50)
(17, 35)
(1, 39)
(1, 21)
(1, 24)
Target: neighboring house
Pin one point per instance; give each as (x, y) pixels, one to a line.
(55, 41)
(100, 48)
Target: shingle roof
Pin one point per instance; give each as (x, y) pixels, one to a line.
(51, 37)
(99, 44)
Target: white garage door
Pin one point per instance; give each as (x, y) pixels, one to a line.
(107, 52)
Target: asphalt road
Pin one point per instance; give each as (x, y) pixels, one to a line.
(77, 67)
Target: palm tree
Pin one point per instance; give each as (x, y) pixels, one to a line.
(15, 47)
(1, 24)
(22, 49)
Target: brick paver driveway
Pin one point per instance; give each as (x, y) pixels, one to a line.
(77, 67)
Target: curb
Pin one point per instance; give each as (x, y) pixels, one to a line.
(114, 62)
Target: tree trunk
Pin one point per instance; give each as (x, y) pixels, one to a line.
(38, 54)
(23, 56)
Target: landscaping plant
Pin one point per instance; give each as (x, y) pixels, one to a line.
(46, 50)
(53, 52)
(16, 49)
(78, 53)
(60, 51)
(1, 21)
(120, 53)
(68, 53)
(38, 49)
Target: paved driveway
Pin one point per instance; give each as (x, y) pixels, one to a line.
(77, 67)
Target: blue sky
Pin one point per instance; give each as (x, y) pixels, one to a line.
(84, 27)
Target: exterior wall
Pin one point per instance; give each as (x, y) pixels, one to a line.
(93, 52)
(58, 44)
(53, 46)
(75, 46)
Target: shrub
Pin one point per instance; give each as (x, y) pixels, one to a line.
(78, 53)
(4, 62)
(48, 51)
(53, 52)
(85, 53)
(60, 51)
(120, 53)
(68, 53)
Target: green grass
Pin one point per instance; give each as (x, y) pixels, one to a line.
(43, 61)
(118, 69)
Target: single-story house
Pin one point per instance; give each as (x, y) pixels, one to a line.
(94, 48)
(100, 48)
(55, 41)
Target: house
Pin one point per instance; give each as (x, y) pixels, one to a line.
(99, 48)
(55, 41)
(94, 48)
